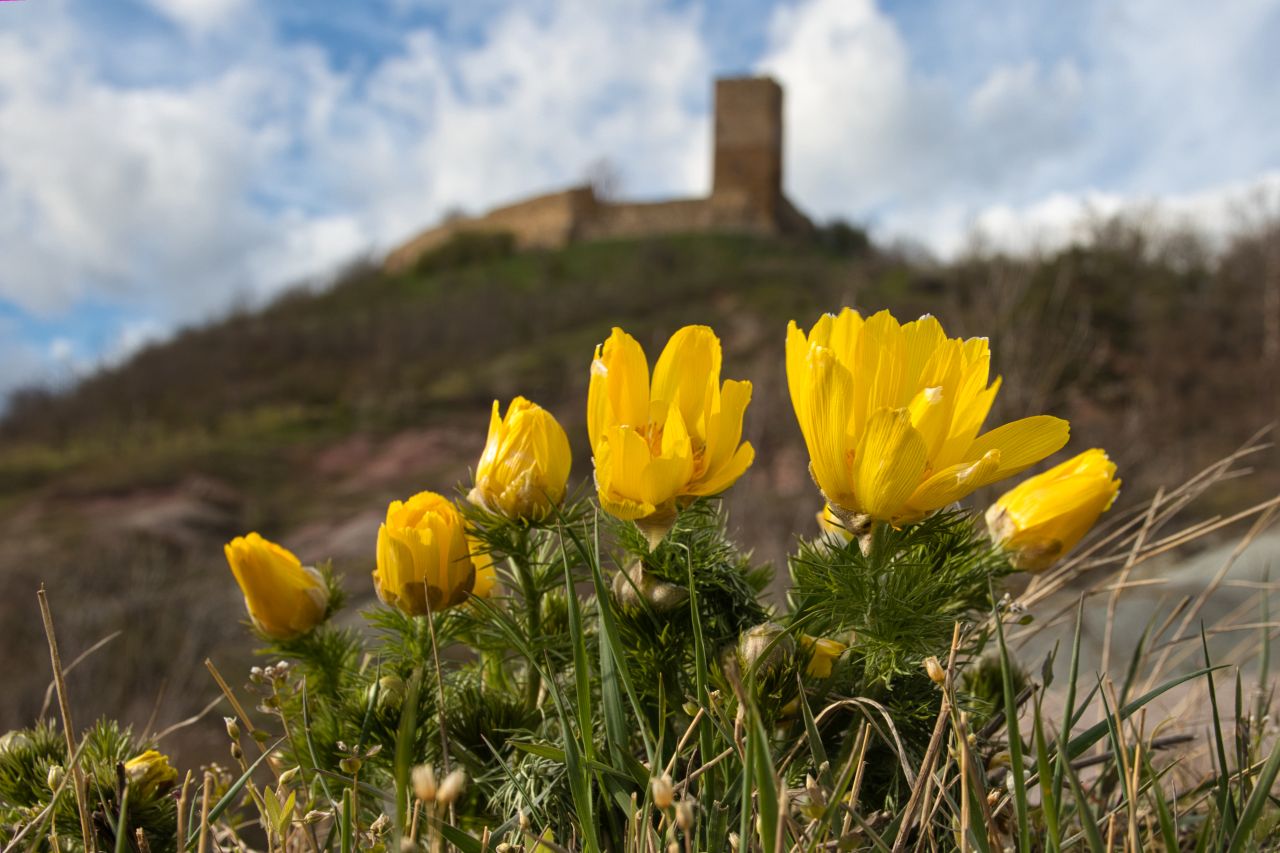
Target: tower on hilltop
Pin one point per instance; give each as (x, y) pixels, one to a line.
(747, 156)
(746, 192)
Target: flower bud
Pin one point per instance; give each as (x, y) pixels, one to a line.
(233, 727)
(823, 655)
(452, 787)
(288, 776)
(390, 692)
(663, 792)
(55, 776)
(424, 560)
(525, 465)
(150, 773)
(636, 585)
(13, 740)
(684, 815)
(424, 783)
(765, 647)
(1041, 519)
(285, 598)
(935, 670)
(350, 765)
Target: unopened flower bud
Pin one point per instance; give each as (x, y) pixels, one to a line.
(150, 773)
(684, 815)
(424, 783)
(236, 752)
(288, 776)
(663, 792)
(765, 647)
(935, 670)
(389, 692)
(233, 728)
(55, 776)
(452, 787)
(636, 585)
(522, 818)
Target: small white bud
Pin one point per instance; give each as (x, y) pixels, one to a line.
(424, 783)
(452, 787)
(935, 670)
(663, 792)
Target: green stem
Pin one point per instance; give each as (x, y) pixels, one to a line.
(533, 610)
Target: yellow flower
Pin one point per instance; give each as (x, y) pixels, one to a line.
(486, 574)
(424, 559)
(525, 464)
(675, 439)
(891, 414)
(823, 654)
(1042, 518)
(150, 773)
(830, 524)
(284, 597)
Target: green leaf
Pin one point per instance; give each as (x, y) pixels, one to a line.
(1081, 742)
(406, 735)
(1017, 768)
(234, 791)
(1253, 808)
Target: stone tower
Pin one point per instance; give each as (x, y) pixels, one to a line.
(747, 172)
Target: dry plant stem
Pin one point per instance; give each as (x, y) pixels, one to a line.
(48, 693)
(1114, 601)
(684, 739)
(858, 756)
(686, 781)
(931, 754)
(182, 809)
(204, 813)
(68, 731)
(1258, 527)
(235, 703)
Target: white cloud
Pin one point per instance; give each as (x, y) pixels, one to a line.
(239, 180)
(227, 161)
(1152, 99)
(200, 16)
(1061, 219)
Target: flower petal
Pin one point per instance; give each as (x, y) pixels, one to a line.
(889, 463)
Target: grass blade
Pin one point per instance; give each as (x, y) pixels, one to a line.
(1252, 811)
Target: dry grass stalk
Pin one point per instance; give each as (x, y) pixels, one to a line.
(68, 730)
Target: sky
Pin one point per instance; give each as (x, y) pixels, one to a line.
(163, 161)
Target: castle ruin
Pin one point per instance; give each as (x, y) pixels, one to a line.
(746, 191)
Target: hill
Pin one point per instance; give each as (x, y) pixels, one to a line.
(303, 419)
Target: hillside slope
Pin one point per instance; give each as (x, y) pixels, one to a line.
(303, 420)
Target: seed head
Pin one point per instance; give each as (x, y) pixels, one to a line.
(663, 792)
(452, 787)
(684, 815)
(424, 783)
(935, 670)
